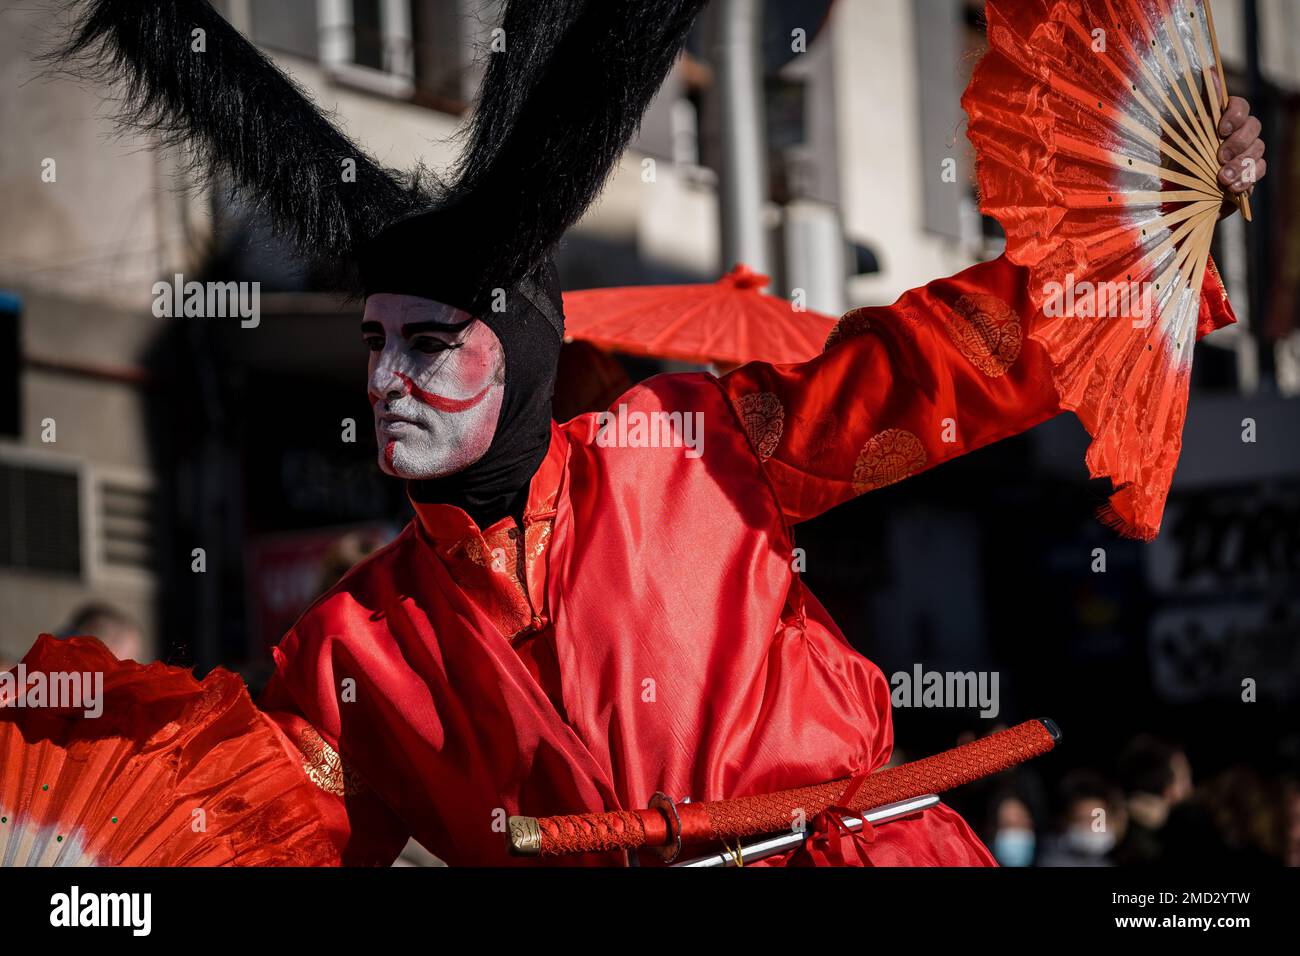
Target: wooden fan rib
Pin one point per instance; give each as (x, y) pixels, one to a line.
(1191, 157)
(1187, 118)
(1171, 81)
(1203, 264)
(1241, 199)
(1183, 334)
(79, 814)
(1141, 166)
(1155, 82)
(1184, 154)
(1203, 53)
(1165, 223)
(1172, 280)
(1186, 223)
(1171, 144)
(1177, 245)
(1141, 199)
(1208, 135)
(1081, 149)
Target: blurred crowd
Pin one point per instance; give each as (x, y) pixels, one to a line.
(1147, 809)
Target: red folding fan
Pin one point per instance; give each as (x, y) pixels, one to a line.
(165, 771)
(1095, 123)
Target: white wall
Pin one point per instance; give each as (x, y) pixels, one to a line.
(882, 170)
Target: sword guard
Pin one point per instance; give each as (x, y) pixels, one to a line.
(665, 805)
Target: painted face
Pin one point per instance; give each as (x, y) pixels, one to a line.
(437, 378)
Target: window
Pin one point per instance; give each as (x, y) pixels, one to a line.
(367, 43)
(949, 37)
(438, 39)
(11, 383)
(40, 519)
(287, 25)
(368, 40)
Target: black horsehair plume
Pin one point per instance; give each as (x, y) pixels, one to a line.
(557, 107)
(240, 116)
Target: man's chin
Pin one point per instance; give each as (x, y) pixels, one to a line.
(400, 461)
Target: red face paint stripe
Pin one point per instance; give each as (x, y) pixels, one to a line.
(438, 401)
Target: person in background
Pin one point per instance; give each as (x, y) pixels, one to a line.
(116, 629)
(1156, 777)
(1238, 819)
(348, 551)
(1092, 822)
(1015, 836)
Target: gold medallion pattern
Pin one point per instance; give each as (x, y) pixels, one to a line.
(763, 416)
(987, 331)
(888, 457)
(324, 766)
(850, 326)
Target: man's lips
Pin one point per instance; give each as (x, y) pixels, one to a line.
(390, 422)
(437, 402)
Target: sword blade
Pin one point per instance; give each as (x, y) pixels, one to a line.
(764, 847)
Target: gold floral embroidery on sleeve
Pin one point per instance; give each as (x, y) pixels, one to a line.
(763, 416)
(887, 458)
(851, 325)
(987, 331)
(324, 765)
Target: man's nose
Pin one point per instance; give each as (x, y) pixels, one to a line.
(388, 384)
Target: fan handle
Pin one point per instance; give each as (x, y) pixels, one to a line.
(1241, 199)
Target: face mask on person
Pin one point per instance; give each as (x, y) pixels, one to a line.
(1014, 846)
(1089, 842)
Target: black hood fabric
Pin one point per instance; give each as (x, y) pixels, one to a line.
(530, 329)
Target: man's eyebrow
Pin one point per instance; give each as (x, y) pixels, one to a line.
(415, 328)
(372, 327)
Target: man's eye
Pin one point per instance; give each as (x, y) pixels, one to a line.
(431, 346)
(374, 342)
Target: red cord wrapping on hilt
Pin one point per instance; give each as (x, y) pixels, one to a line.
(772, 812)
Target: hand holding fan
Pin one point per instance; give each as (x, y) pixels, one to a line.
(1096, 127)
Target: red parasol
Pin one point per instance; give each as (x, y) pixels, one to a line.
(727, 323)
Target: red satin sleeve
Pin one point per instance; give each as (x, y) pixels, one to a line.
(365, 830)
(945, 370)
(948, 368)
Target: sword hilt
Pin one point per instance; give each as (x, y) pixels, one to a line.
(768, 813)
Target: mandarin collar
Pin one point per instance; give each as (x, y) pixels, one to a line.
(444, 522)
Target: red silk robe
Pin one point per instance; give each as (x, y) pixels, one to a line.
(645, 631)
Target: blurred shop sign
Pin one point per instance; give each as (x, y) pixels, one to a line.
(1203, 652)
(1228, 540)
(1225, 577)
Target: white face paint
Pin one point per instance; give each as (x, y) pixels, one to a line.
(437, 379)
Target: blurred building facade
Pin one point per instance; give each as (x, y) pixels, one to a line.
(136, 440)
